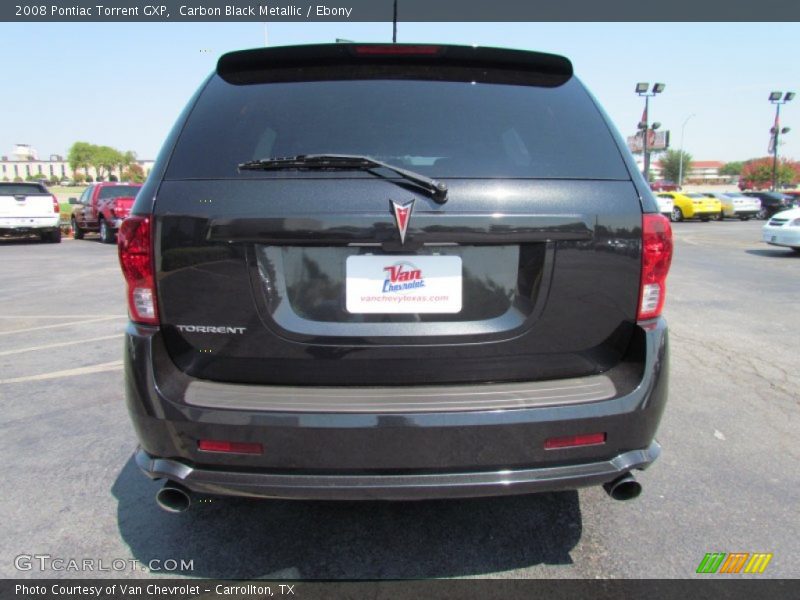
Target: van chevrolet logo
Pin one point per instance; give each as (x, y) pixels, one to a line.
(402, 215)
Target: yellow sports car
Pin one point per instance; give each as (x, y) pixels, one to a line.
(692, 206)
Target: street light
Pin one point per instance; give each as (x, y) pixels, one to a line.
(776, 131)
(641, 89)
(680, 160)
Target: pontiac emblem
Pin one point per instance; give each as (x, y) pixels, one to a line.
(402, 215)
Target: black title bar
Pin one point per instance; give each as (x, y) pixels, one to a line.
(407, 10)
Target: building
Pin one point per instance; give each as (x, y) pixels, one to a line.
(706, 171)
(700, 171)
(24, 163)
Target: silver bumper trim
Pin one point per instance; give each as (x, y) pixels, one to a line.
(442, 398)
(395, 487)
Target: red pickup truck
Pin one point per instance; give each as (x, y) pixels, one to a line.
(101, 208)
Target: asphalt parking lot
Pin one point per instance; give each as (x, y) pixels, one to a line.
(727, 481)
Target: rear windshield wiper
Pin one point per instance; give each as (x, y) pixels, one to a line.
(438, 189)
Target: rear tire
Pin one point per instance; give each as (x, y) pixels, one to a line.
(705, 219)
(77, 232)
(107, 235)
(677, 215)
(51, 237)
(720, 216)
(744, 218)
(762, 214)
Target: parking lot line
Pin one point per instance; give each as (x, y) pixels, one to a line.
(61, 344)
(60, 325)
(109, 366)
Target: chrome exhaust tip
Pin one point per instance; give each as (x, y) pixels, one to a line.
(624, 487)
(174, 498)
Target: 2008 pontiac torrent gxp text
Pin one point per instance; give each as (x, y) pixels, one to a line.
(394, 272)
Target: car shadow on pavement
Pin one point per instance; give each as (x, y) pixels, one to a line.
(241, 538)
(23, 241)
(774, 252)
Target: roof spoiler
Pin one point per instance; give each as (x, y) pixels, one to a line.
(324, 62)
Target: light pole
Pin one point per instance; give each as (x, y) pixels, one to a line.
(776, 131)
(394, 23)
(641, 89)
(680, 160)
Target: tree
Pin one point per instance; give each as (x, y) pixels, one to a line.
(104, 159)
(126, 159)
(80, 156)
(671, 164)
(134, 173)
(732, 168)
(757, 172)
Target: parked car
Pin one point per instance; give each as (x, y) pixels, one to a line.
(665, 186)
(736, 205)
(771, 203)
(665, 205)
(101, 208)
(745, 185)
(783, 229)
(794, 194)
(29, 208)
(364, 302)
(692, 206)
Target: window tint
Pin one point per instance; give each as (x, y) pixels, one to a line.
(438, 128)
(118, 191)
(21, 189)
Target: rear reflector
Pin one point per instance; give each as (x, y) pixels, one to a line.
(135, 257)
(230, 447)
(656, 259)
(396, 50)
(571, 441)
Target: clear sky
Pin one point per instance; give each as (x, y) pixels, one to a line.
(123, 85)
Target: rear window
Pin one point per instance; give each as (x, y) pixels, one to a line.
(118, 191)
(22, 189)
(439, 128)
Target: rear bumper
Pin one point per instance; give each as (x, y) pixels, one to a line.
(779, 236)
(704, 212)
(355, 450)
(395, 487)
(20, 226)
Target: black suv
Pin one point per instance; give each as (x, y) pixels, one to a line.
(771, 202)
(394, 271)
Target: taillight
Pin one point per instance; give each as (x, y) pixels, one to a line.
(134, 241)
(656, 259)
(56, 207)
(231, 447)
(573, 441)
(396, 50)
